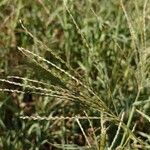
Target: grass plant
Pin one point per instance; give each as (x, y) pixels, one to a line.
(74, 74)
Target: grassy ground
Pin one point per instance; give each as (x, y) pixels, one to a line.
(74, 74)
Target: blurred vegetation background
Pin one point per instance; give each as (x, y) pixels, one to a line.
(98, 64)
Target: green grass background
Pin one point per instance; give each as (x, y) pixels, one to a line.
(99, 64)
